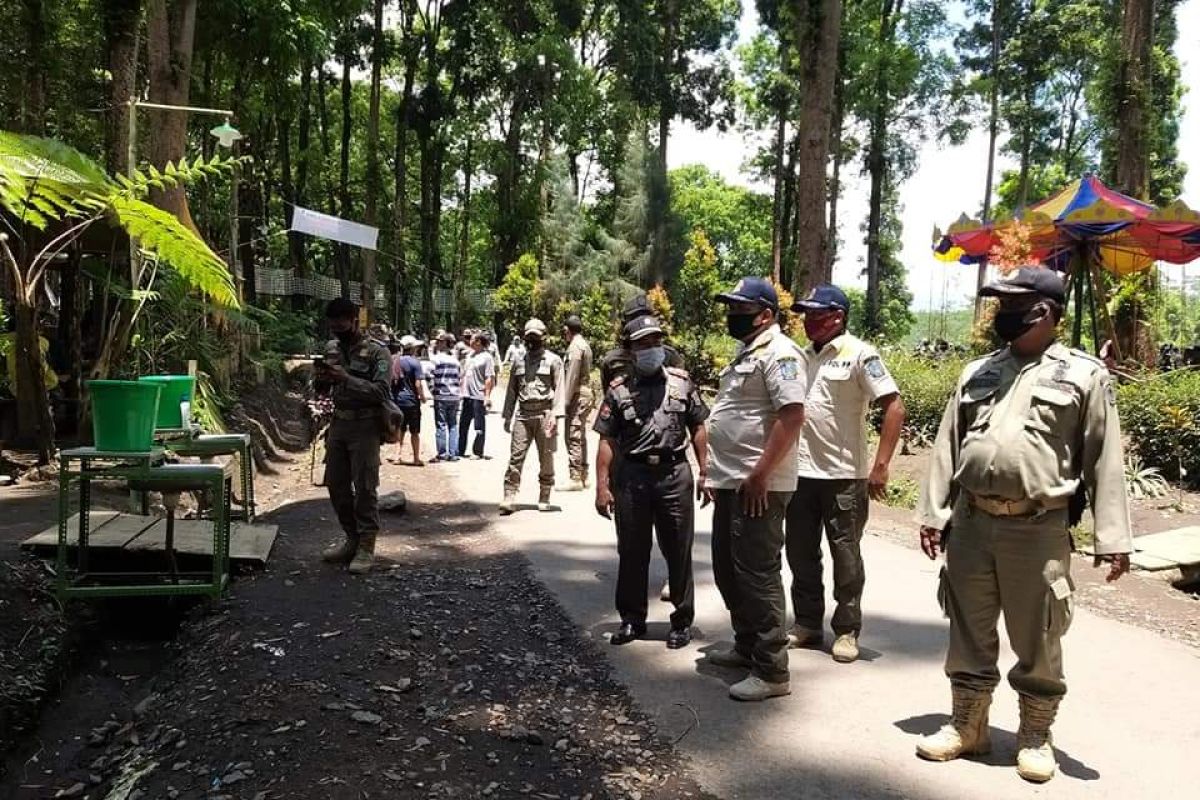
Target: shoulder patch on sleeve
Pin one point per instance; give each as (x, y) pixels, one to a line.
(789, 368)
(874, 368)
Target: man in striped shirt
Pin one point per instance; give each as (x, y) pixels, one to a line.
(447, 381)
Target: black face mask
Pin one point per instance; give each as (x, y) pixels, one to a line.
(347, 338)
(740, 325)
(1012, 325)
(533, 344)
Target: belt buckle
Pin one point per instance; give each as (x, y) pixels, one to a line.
(653, 460)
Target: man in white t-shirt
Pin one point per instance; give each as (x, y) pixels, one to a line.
(479, 378)
(836, 479)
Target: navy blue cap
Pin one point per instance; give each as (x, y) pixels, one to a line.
(1026, 281)
(752, 290)
(637, 306)
(825, 297)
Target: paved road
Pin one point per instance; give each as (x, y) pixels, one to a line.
(1128, 729)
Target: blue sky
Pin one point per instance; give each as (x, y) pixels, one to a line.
(948, 182)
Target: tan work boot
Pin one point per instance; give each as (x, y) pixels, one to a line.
(845, 648)
(508, 505)
(1035, 747)
(575, 485)
(754, 688)
(967, 731)
(340, 553)
(364, 557)
(805, 637)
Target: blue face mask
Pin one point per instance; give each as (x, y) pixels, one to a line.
(650, 360)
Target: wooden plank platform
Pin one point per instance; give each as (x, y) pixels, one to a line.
(248, 544)
(1167, 550)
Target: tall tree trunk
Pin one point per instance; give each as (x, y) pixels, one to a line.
(509, 239)
(35, 423)
(1026, 156)
(343, 250)
(464, 236)
(374, 181)
(297, 247)
(171, 33)
(122, 18)
(326, 147)
(660, 187)
(37, 62)
(877, 161)
(400, 210)
(836, 152)
(431, 201)
(818, 30)
(777, 202)
(993, 133)
(1134, 95)
(788, 224)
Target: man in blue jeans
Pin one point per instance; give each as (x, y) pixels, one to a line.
(478, 379)
(447, 381)
(408, 392)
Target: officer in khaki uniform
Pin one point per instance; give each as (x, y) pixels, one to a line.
(752, 435)
(647, 421)
(578, 401)
(836, 479)
(1028, 428)
(535, 395)
(358, 371)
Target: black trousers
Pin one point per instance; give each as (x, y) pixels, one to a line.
(472, 411)
(652, 499)
(747, 565)
(837, 508)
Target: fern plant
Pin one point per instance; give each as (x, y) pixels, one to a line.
(46, 183)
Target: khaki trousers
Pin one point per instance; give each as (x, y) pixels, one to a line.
(575, 435)
(352, 474)
(1019, 567)
(524, 433)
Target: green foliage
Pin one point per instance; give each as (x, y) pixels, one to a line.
(1142, 481)
(902, 492)
(1161, 417)
(735, 220)
(513, 301)
(289, 332)
(926, 386)
(699, 315)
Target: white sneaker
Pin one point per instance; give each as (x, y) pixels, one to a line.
(845, 648)
(545, 507)
(754, 688)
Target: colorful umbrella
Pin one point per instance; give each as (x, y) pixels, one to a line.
(1087, 223)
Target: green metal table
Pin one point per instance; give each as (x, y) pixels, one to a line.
(208, 445)
(146, 471)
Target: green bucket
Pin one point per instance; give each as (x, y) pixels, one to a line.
(123, 414)
(175, 402)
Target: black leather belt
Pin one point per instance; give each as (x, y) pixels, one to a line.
(657, 459)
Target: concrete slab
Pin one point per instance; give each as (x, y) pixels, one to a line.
(1128, 728)
(1167, 550)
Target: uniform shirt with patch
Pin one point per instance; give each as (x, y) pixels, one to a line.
(368, 366)
(535, 386)
(844, 378)
(652, 415)
(766, 376)
(1032, 428)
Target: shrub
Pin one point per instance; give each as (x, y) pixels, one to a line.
(1161, 416)
(926, 386)
(288, 331)
(514, 300)
(660, 304)
(704, 356)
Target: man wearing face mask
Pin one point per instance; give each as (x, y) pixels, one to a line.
(752, 435)
(359, 371)
(647, 421)
(619, 360)
(535, 394)
(1027, 427)
(845, 376)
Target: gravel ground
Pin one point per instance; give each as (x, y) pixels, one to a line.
(449, 672)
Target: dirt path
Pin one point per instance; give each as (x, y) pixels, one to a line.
(450, 672)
